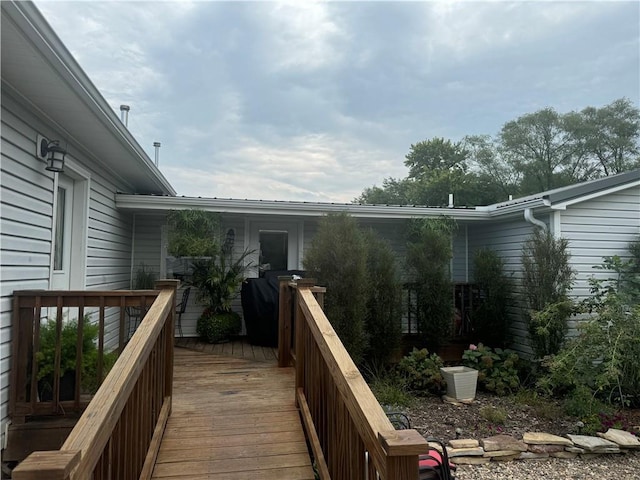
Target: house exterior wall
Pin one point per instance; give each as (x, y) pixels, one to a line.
(506, 238)
(26, 211)
(600, 227)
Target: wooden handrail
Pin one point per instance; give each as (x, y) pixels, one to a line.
(344, 421)
(119, 433)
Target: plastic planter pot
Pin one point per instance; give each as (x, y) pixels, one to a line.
(461, 382)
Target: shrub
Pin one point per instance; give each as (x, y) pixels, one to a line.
(384, 296)
(497, 369)
(337, 258)
(218, 327)
(604, 360)
(193, 233)
(491, 319)
(428, 255)
(496, 415)
(547, 280)
(421, 372)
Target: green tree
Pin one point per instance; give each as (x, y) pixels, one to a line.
(337, 258)
(491, 319)
(538, 145)
(547, 280)
(384, 299)
(609, 135)
(428, 255)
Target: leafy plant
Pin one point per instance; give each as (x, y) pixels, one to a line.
(428, 255)
(605, 357)
(491, 319)
(384, 296)
(218, 327)
(145, 279)
(68, 354)
(497, 369)
(497, 415)
(337, 258)
(193, 233)
(547, 280)
(215, 272)
(421, 372)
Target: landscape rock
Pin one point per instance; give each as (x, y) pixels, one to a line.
(565, 455)
(502, 453)
(532, 456)
(506, 458)
(594, 444)
(502, 442)
(540, 438)
(547, 448)
(464, 443)
(470, 460)
(575, 450)
(622, 438)
(465, 452)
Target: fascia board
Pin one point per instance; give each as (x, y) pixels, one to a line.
(284, 208)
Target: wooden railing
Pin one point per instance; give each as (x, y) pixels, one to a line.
(350, 435)
(119, 433)
(49, 329)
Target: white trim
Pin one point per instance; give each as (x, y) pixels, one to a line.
(133, 250)
(584, 198)
(300, 243)
(556, 224)
(80, 234)
(53, 229)
(164, 247)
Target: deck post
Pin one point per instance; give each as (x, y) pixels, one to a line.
(402, 449)
(52, 465)
(284, 322)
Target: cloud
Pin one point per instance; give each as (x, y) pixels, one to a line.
(318, 100)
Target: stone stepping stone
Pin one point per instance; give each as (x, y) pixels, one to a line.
(502, 453)
(502, 442)
(565, 455)
(622, 438)
(594, 444)
(465, 452)
(464, 443)
(547, 448)
(540, 438)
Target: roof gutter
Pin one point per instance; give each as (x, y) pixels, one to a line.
(288, 208)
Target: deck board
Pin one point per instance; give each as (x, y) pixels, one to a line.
(233, 417)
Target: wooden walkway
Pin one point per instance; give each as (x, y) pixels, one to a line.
(234, 417)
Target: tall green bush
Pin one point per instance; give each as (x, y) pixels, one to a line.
(491, 319)
(547, 280)
(384, 299)
(193, 233)
(337, 258)
(429, 252)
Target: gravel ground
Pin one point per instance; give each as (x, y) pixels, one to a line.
(434, 418)
(604, 467)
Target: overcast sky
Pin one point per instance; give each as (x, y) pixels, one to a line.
(316, 101)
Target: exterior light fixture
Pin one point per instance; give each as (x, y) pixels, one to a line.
(52, 152)
(229, 240)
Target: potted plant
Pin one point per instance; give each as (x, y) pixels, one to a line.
(215, 272)
(218, 280)
(68, 338)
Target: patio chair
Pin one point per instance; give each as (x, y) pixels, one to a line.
(181, 307)
(433, 464)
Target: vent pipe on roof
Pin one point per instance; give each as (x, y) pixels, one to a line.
(451, 200)
(124, 115)
(510, 197)
(157, 146)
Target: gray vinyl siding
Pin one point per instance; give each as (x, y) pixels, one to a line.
(506, 238)
(459, 262)
(147, 244)
(26, 206)
(600, 227)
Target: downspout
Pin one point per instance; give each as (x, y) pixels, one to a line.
(528, 216)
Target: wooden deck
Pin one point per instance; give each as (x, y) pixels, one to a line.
(234, 417)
